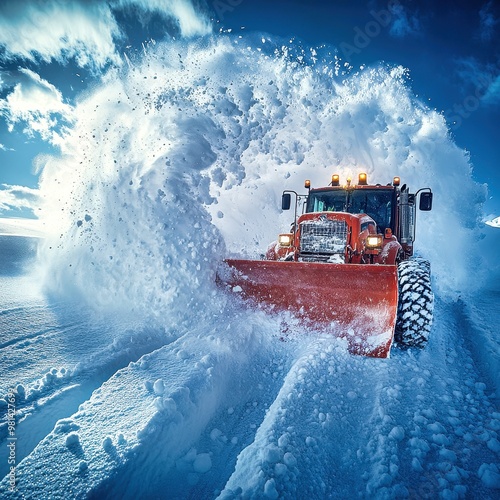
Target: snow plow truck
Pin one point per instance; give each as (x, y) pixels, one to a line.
(346, 266)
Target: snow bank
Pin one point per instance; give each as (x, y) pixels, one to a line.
(221, 126)
(146, 414)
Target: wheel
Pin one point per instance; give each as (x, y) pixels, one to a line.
(415, 304)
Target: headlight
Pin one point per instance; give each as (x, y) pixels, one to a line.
(285, 240)
(374, 241)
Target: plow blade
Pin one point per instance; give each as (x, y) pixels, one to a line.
(352, 301)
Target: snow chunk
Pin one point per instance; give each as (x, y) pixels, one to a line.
(166, 405)
(494, 445)
(202, 463)
(107, 444)
(182, 354)
(280, 469)
(290, 459)
(283, 440)
(73, 440)
(272, 454)
(270, 490)
(215, 434)
(159, 387)
(490, 475)
(65, 425)
(21, 392)
(495, 222)
(310, 441)
(448, 455)
(397, 433)
(441, 439)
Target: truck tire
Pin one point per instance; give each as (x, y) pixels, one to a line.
(415, 304)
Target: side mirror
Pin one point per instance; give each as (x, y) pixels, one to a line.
(426, 201)
(286, 201)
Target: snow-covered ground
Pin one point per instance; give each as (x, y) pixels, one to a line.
(226, 408)
(133, 375)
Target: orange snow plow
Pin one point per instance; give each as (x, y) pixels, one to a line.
(347, 300)
(346, 267)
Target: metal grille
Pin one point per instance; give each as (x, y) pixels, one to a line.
(323, 237)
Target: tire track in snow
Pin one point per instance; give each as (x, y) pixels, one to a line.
(418, 425)
(31, 336)
(310, 436)
(434, 428)
(199, 459)
(24, 323)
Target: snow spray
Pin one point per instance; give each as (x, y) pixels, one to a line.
(179, 159)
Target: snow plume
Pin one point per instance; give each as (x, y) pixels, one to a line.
(126, 196)
(221, 126)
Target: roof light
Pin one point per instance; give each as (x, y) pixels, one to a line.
(335, 180)
(307, 184)
(362, 180)
(396, 181)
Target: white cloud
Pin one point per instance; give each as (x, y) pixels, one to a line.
(492, 95)
(81, 29)
(58, 30)
(18, 197)
(487, 22)
(404, 23)
(480, 80)
(190, 22)
(38, 104)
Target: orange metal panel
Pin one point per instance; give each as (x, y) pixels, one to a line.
(357, 302)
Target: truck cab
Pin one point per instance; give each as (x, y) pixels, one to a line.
(351, 223)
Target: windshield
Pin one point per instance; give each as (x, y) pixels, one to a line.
(377, 203)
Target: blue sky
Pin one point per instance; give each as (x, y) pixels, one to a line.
(52, 51)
